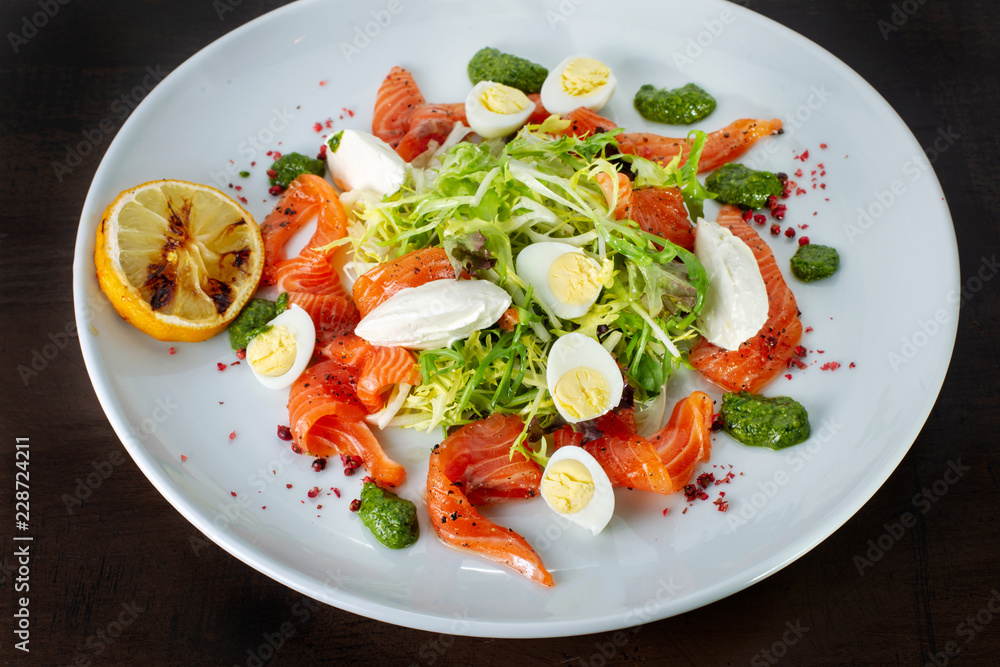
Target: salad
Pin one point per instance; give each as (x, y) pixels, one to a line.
(524, 276)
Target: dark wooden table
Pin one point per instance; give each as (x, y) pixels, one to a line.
(116, 580)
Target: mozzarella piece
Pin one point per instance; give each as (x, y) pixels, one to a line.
(736, 304)
(578, 81)
(361, 161)
(434, 315)
(575, 486)
(495, 110)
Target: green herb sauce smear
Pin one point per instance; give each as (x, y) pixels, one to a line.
(759, 421)
(253, 319)
(741, 186)
(814, 262)
(289, 167)
(681, 106)
(490, 64)
(392, 520)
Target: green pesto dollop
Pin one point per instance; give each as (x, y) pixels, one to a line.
(741, 186)
(681, 106)
(289, 167)
(814, 262)
(253, 320)
(392, 520)
(490, 64)
(759, 421)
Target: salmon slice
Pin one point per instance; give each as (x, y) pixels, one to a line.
(332, 315)
(331, 436)
(397, 97)
(383, 368)
(721, 146)
(312, 272)
(473, 466)
(583, 122)
(685, 440)
(326, 418)
(664, 462)
(539, 114)
(759, 360)
(349, 350)
(429, 122)
(661, 211)
(623, 205)
(413, 269)
(307, 196)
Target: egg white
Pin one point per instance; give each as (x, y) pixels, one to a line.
(597, 513)
(556, 100)
(296, 320)
(573, 350)
(534, 263)
(490, 124)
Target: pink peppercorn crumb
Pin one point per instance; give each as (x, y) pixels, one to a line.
(790, 232)
(804, 240)
(775, 230)
(221, 366)
(183, 458)
(232, 436)
(313, 492)
(288, 486)
(336, 492)
(275, 190)
(172, 351)
(852, 365)
(319, 464)
(830, 366)
(232, 493)
(355, 505)
(747, 215)
(284, 433)
(241, 353)
(665, 510)
(760, 219)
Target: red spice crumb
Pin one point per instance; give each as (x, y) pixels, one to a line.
(804, 240)
(277, 155)
(778, 212)
(799, 191)
(821, 351)
(319, 464)
(830, 366)
(692, 493)
(800, 350)
(243, 200)
(275, 190)
(684, 511)
(804, 156)
(809, 329)
(232, 493)
(705, 479)
(313, 492)
(760, 219)
(336, 492)
(232, 436)
(717, 422)
(253, 164)
(852, 365)
(172, 351)
(350, 463)
(329, 123)
(323, 83)
(318, 127)
(241, 353)
(772, 201)
(355, 505)
(319, 507)
(803, 226)
(263, 507)
(775, 230)
(288, 486)
(790, 232)
(367, 479)
(183, 458)
(747, 215)
(235, 363)
(284, 433)
(238, 188)
(271, 173)
(788, 376)
(726, 480)
(665, 510)
(723, 505)
(296, 448)
(221, 366)
(822, 186)
(348, 112)
(823, 146)
(820, 165)
(798, 173)
(798, 363)
(322, 153)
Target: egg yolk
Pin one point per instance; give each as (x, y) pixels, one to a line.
(504, 99)
(567, 485)
(583, 393)
(583, 76)
(272, 353)
(574, 279)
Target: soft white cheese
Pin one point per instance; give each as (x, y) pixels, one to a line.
(362, 161)
(736, 303)
(434, 315)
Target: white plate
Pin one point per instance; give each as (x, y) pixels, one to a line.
(896, 294)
